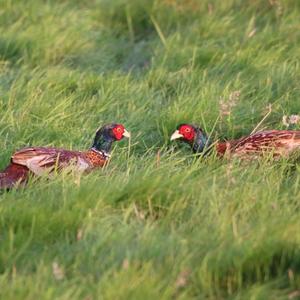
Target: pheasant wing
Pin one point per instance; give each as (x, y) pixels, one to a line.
(39, 160)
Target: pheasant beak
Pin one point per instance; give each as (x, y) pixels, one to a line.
(176, 135)
(126, 133)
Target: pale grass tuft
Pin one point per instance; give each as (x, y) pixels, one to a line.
(125, 264)
(226, 105)
(14, 271)
(229, 173)
(182, 279)
(79, 234)
(291, 275)
(57, 271)
(158, 158)
(210, 8)
(274, 206)
(252, 33)
(138, 213)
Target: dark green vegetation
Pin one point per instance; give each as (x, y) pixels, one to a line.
(156, 223)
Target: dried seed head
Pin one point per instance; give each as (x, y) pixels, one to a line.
(290, 120)
(226, 105)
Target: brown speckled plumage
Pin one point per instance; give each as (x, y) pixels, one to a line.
(40, 160)
(37, 161)
(96, 159)
(278, 143)
(275, 143)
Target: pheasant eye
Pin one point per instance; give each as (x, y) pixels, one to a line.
(187, 130)
(119, 129)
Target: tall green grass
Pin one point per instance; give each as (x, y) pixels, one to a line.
(157, 223)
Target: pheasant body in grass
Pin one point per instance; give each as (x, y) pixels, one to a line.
(277, 143)
(38, 160)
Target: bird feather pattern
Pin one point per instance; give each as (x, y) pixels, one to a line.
(39, 159)
(43, 160)
(279, 142)
(276, 143)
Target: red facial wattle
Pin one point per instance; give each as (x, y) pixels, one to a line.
(118, 132)
(188, 132)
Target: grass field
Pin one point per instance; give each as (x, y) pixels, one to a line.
(157, 223)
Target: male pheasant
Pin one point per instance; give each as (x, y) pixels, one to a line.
(277, 143)
(38, 160)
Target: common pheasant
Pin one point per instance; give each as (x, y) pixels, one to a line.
(38, 160)
(277, 143)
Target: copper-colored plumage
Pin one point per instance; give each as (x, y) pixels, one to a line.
(41, 160)
(278, 143)
(12, 175)
(95, 159)
(38, 160)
